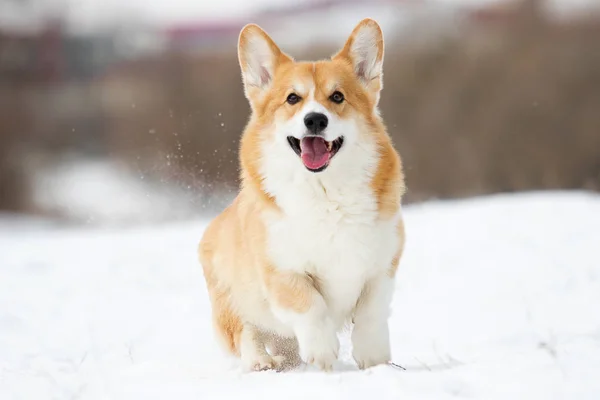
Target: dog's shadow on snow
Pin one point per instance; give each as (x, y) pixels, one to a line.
(338, 367)
(345, 366)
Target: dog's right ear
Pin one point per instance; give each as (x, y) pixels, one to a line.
(364, 52)
(259, 57)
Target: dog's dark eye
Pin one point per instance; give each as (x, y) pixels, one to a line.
(293, 98)
(337, 97)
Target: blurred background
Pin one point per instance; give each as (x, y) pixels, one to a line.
(117, 112)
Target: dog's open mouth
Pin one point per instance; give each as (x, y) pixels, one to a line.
(315, 151)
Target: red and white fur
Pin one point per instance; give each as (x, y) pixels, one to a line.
(315, 235)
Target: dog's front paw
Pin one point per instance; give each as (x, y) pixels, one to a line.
(371, 346)
(366, 360)
(319, 345)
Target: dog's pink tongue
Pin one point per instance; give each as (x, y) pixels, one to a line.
(314, 152)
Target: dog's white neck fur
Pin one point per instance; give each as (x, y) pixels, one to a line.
(343, 187)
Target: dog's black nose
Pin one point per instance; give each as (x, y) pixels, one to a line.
(316, 122)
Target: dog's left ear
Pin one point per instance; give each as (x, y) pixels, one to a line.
(364, 50)
(259, 58)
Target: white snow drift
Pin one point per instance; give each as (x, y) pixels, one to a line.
(497, 298)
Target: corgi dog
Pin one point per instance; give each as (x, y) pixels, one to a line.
(313, 239)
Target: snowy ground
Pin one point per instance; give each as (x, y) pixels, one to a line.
(497, 298)
(109, 193)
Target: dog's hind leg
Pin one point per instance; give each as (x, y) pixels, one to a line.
(254, 353)
(286, 349)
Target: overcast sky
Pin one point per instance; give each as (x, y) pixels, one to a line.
(174, 10)
(89, 15)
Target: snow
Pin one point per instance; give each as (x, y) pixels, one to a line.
(497, 298)
(92, 16)
(89, 16)
(109, 192)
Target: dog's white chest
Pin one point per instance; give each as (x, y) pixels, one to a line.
(343, 245)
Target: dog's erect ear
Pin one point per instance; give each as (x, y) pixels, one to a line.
(364, 50)
(259, 57)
